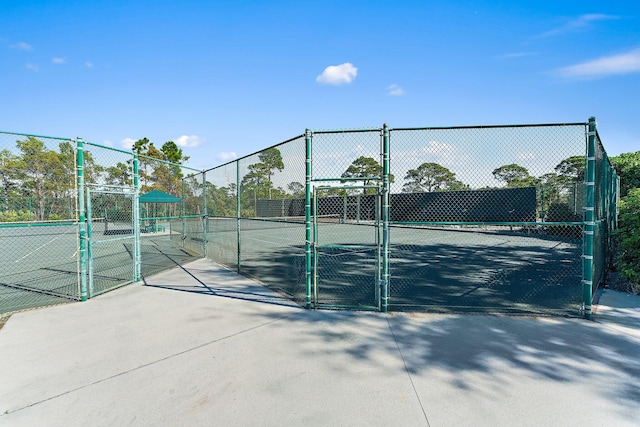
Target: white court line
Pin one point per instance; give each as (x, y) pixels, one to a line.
(37, 249)
(267, 241)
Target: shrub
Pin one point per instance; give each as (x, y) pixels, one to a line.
(15, 215)
(562, 212)
(628, 237)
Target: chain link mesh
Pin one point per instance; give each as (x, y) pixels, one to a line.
(38, 229)
(39, 219)
(222, 207)
(487, 218)
(480, 218)
(605, 200)
(347, 175)
(172, 212)
(109, 194)
(265, 238)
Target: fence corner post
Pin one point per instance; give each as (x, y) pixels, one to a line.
(589, 221)
(82, 233)
(238, 207)
(385, 218)
(307, 215)
(137, 272)
(205, 214)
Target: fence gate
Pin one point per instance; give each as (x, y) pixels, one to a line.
(347, 257)
(113, 239)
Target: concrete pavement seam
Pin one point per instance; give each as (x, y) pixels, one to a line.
(151, 363)
(406, 368)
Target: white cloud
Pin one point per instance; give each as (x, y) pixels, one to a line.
(226, 156)
(516, 55)
(439, 148)
(583, 21)
(623, 63)
(58, 61)
(395, 90)
(33, 67)
(108, 143)
(22, 46)
(188, 141)
(523, 157)
(338, 74)
(89, 64)
(127, 143)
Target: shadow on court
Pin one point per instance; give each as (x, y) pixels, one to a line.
(440, 277)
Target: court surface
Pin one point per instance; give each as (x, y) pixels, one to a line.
(40, 263)
(203, 346)
(434, 269)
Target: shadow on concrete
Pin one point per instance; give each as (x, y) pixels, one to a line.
(559, 350)
(556, 349)
(222, 283)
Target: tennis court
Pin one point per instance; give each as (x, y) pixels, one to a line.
(41, 261)
(490, 269)
(39, 265)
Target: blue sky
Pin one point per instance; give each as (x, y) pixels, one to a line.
(228, 78)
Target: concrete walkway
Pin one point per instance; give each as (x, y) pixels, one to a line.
(208, 347)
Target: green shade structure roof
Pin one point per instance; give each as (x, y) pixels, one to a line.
(157, 196)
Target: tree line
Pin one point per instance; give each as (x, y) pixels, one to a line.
(257, 183)
(39, 183)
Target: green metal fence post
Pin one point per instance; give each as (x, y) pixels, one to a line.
(238, 188)
(81, 220)
(617, 199)
(137, 265)
(385, 218)
(204, 214)
(307, 215)
(589, 221)
(89, 234)
(184, 212)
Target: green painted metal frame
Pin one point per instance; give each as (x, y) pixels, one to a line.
(385, 212)
(137, 247)
(82, 233)
(381, 223)
(204, 214)
(238, 205)
(136, 258)
(314, 243)
(589, 220)
(307, 210)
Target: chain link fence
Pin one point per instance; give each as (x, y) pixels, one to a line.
(252, 226)
(171, 214)
(492, 218)
(38, 222)
(78, 219)
(513, 219)
(601, 213)
(482, 219)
